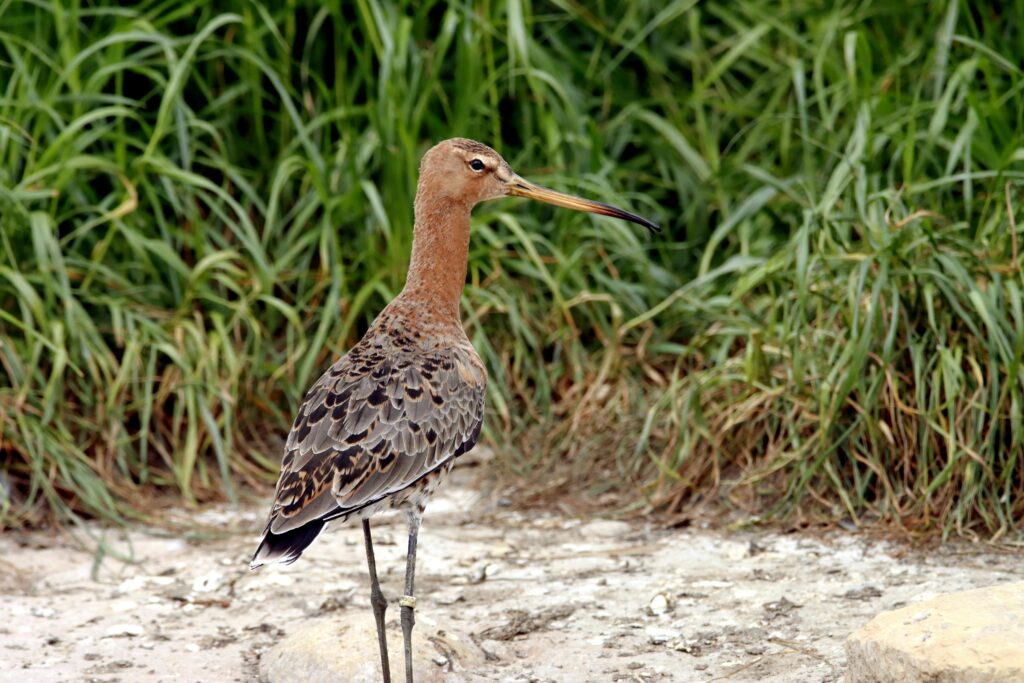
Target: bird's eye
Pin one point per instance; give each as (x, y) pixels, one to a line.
(477, 165)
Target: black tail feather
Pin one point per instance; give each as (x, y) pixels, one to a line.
(286, 547)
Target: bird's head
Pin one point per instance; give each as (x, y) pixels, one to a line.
(472, 171)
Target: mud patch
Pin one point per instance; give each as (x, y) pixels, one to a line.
(546, 597)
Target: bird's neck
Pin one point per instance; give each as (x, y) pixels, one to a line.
(440, 248)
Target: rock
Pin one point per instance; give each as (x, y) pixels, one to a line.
(781, 606)
(659, 604)
(344, 648)
(968, 637)
(862, 592)
(657, 635)
(605, 528)
(520, 622)
(123, 631)
(443, 598)
(132, 585)
(207, 583)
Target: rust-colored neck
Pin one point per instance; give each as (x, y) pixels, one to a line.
(440, 247)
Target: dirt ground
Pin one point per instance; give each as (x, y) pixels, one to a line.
(544, 597)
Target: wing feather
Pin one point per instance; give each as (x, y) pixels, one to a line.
(373, 424)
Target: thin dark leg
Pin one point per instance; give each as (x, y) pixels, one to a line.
(408, 601)
(378, 602)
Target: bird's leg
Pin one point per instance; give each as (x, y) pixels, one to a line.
(378, 602)
(408, 601)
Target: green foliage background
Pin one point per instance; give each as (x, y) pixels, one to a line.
(201, 204)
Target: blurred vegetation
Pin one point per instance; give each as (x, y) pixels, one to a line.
(202, 204)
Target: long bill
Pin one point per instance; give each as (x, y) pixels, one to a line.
(523, 188)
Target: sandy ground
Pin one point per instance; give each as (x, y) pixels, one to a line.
(544, 597)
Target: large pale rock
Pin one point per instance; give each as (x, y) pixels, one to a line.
(976, 636)
(344, 648)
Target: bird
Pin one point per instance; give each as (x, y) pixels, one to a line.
(383, 426)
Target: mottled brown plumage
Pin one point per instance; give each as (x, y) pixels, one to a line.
(401, 405)
(385, 423)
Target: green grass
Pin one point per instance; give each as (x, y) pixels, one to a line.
(200, 208)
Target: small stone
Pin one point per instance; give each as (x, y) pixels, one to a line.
(207, 583)
(44, 612)
(500, 549)
(780, 607)
(482, 572)
(123, 606)
(634, 666)
(131, 585)
(192, 647)
(123, 631)
(863, 592)
(384, 538)
(659, 636)
(681, 645)
(449, 598)
(605, 528)
(212, 642)
(659, 605)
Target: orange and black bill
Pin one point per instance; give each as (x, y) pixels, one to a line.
(522, 188)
